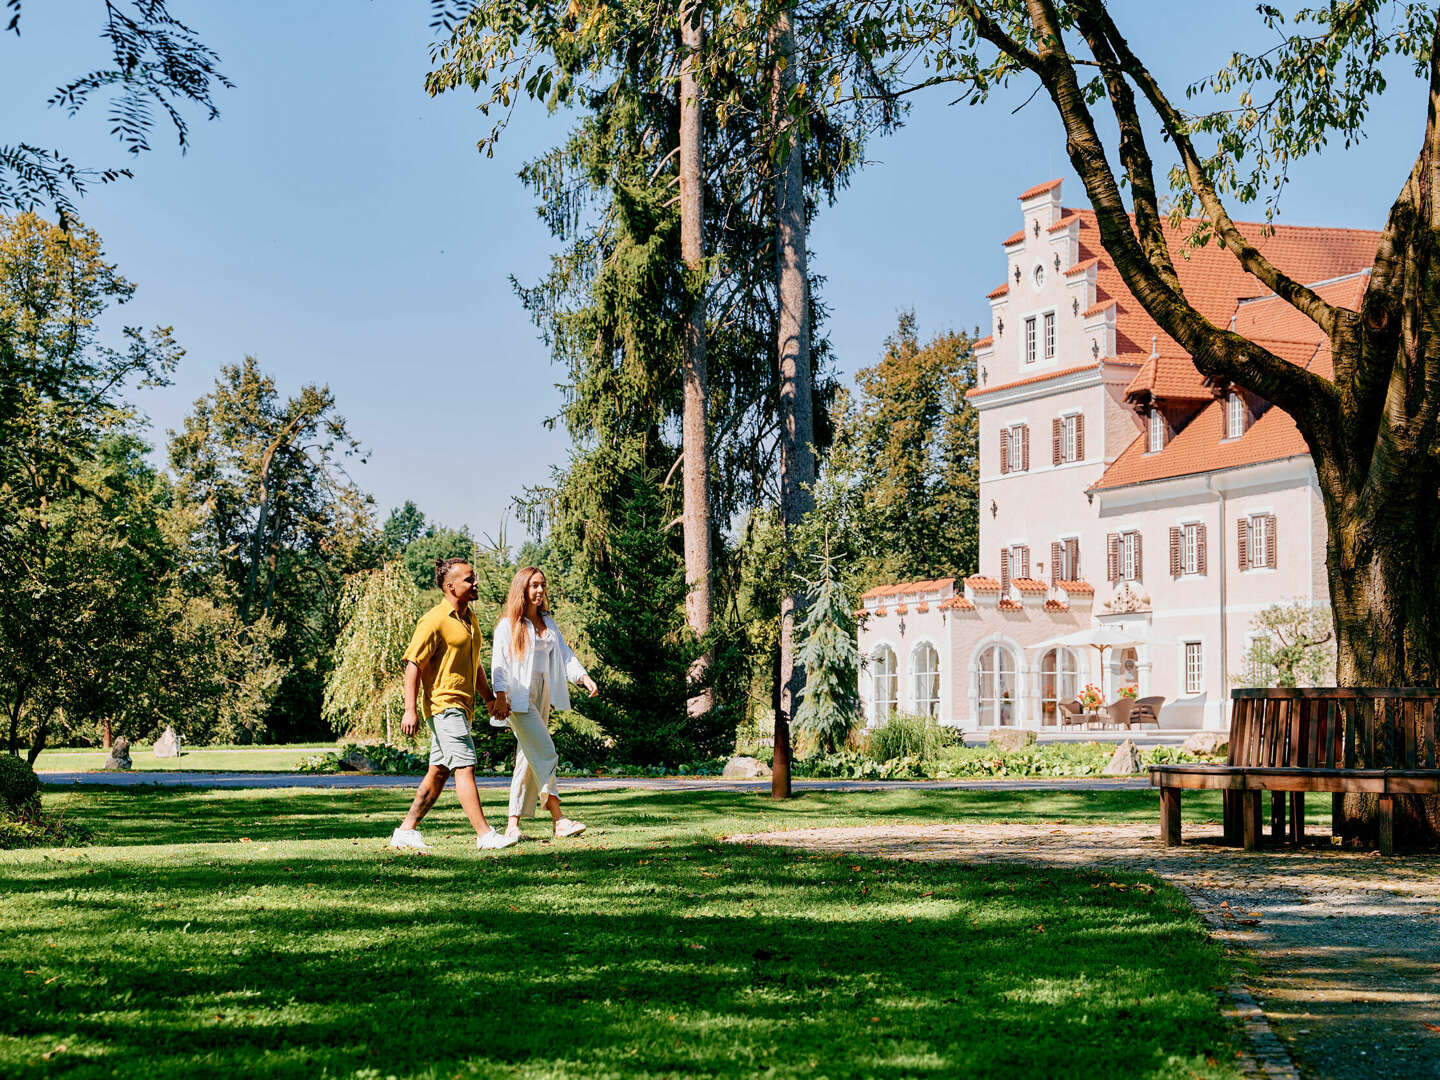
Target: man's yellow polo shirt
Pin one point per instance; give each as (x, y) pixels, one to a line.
(446, 649)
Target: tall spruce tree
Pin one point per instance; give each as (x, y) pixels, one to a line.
(829, 705)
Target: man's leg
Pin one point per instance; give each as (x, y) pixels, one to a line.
(470, 798)
(429, 791)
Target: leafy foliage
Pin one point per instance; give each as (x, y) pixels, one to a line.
(1292, 645)
(365, 687)
(830, 705)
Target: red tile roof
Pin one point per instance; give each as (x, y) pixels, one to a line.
(1064, 223)
(985, 342)
(1029, 585)
(1200, 447)
(1014, 238)
(907, 587)
(1056, 605)
(1082, 266)
(1040, 189)
(1168, 378)
(979, 390)
(958, 602)
(1075, 586)
(1100, 306)
(1006, 604)
(995, 294)
(982, 584)
(1271, 318)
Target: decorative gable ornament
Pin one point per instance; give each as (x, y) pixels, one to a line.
(1127, 600)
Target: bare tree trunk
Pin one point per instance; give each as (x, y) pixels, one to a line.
(695, 450)
(797, 426)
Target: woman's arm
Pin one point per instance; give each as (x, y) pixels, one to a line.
(574, 670)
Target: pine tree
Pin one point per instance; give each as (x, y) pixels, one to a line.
(830, 702)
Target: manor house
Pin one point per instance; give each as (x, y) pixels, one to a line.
(1162, 504)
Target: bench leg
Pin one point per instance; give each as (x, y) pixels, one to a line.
(1297, 818)
(1170, 816)
(1337, 815)
(1230, 805)
(1386, 818)
(1250, 815)
(1277, 816)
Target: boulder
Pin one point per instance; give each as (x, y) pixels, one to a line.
(1125, 761)
(356, 761)
(1207, 742)
(745, 768)
(1011, 738)
(168, 745)
(119, 755)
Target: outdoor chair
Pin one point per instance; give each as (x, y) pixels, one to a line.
(1117, 713)
(1072, 713)
(1147, 710)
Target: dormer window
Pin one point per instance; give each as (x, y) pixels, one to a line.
(1236, 415)
(1155, 440)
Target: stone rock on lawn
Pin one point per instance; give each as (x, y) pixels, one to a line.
(1207, 742)
(119, 755)
(356, 761)
(1012, 738)
(1125, 761)
(745, 768)
(168, 745)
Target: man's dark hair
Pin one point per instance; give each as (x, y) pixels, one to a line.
(443, 568)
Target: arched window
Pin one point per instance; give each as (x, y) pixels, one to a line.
(925, 685)
(1059, 681)
(995, 686)
(884, 683)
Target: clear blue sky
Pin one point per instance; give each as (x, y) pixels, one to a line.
(339, 225)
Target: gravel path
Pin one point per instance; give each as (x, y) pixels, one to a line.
(575, 783)
(1343, 947)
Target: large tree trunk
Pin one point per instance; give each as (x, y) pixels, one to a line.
(797, 427)
(695, 450)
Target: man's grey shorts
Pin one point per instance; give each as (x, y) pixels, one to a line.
(451, 746)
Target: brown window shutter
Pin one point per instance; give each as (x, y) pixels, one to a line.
(1057, 553)
(1242, 542)
(1024, 447)
(1072, 559)
(1139, 573)
(1270, 541)
(1025, 561)
(1112, 557)
(1057, 431)
(1200, 551)
(1079, 436)
(1004, 569)
(1176, 539)
(1004, 450)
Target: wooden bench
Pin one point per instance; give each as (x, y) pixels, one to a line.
(1323, 739)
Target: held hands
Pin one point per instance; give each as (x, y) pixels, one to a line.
(410, 723)
(498, 707)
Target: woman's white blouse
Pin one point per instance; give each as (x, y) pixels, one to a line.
(512, 676)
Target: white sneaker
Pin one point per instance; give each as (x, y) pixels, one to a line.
(565, 827)
(494, 841)
(408, 838)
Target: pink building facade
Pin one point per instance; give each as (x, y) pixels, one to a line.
(1117, 487)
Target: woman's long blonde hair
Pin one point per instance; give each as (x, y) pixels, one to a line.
(515, 607)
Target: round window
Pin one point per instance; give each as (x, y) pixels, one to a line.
(1039, 276)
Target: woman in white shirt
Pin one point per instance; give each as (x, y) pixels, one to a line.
(532, 668)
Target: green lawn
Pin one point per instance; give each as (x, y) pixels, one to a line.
(272, 933)
(201, 759)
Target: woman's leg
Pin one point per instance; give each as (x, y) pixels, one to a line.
(535, 765)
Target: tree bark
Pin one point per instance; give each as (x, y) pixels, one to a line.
(695, 450)
(797, 427)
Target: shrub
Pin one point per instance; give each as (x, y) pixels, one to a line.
(18, 783)
(581, 744)
(918, 737)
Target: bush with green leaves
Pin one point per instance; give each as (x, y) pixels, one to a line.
(920, 737)
(18, 783)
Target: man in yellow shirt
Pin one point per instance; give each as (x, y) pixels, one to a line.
(444, 660)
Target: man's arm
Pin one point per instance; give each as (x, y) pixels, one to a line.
(487, 695)
(411, 721)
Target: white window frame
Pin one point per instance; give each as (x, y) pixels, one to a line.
(1047, 339)
(893, 680)
(1030, 339)
(1252, 675)
(1016, 449)
(926, 706)
(1234, 416)
(1258, 523)
(1069, 574)
(1127, 554)
(1069, 432)
(1017, 558)
(1190, 547)
(1193, 673)
(1155, 432)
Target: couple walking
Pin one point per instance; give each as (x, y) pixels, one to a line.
(530, 673)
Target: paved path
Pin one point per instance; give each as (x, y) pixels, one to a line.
(577, 783)
(1346, 945)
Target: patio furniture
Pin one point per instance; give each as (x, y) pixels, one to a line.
(1072, 714)
(1117, 713)
(1147, 710)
